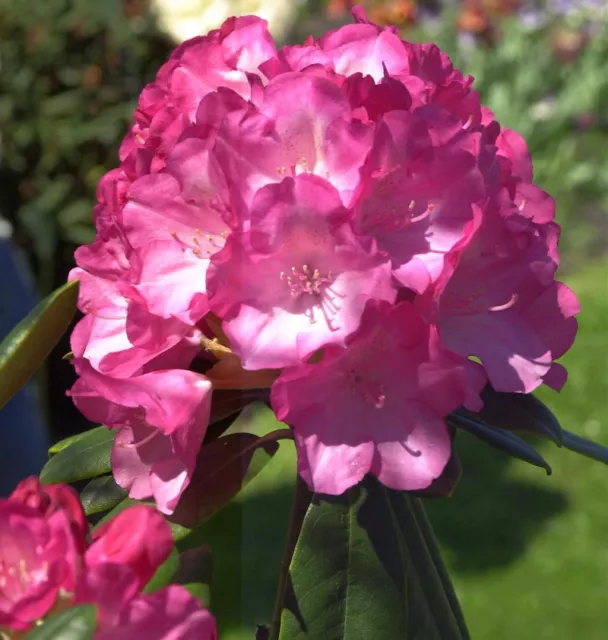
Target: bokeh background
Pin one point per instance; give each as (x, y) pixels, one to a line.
(528, 553)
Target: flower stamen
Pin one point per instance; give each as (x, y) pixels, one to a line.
(141, 443)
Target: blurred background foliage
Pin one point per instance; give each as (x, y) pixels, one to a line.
(529, 554)
(71, 70)
(70, 73)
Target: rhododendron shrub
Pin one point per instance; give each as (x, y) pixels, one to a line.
(333, 243)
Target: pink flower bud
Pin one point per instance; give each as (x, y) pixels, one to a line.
(50, 498)
(138, 538)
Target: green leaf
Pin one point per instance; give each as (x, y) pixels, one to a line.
(164, 574)
(101, 494)
(26, 347)
(256, 418)
(499, 439)
(87, 457)
(66, 442)
(517, 412)
(225, 465)
(76, 623)
(365, 566)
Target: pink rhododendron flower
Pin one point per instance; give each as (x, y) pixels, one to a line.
(123, 557)
(299, 279)
(110, 587)
(496, 299)
(39, 561)
(47, 564)
(391, 387)
(150, 464)
(422, 184)
(365, 48)
(52, 498)
(289, 207)
(162, 416)
(138, 538)
(169, 614)
(302, 123)
(227, 57)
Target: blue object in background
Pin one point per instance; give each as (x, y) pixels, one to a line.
(24, 438)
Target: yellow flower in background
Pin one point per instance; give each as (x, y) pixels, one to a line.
(183, 19)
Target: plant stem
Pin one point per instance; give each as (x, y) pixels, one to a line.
(301, 500)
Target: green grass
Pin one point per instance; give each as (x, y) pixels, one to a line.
(528, 553)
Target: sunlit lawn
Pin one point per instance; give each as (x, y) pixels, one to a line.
(528, 553)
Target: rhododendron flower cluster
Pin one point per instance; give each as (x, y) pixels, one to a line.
(341, 221)
(48, 562)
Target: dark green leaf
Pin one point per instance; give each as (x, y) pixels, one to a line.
(121, 506)
(256, 418)
(87, 457)
(195, 565)
(195, 572)
(585, 447)
(517, 412)
(499, 439)
(224, 466)
(227, 402)
(366, 566)
(164, 574)
(26, 347)
(101, 494)
(77, 623)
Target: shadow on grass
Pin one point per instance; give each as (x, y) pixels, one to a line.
(488, 523)
(491, 518)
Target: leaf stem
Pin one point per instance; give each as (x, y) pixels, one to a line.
(301, 501)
